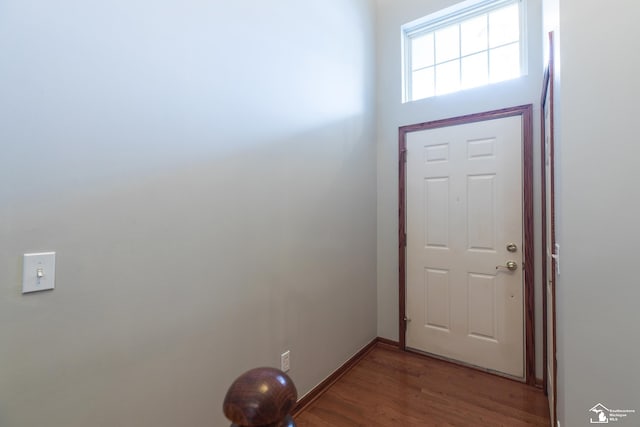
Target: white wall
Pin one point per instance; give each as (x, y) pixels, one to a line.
(598, 208)
(206, 173)
(392, 14)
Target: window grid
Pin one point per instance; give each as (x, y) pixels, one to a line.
(488, 50)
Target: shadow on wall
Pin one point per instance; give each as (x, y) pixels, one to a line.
(171, 282)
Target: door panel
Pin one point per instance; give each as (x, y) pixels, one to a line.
(436, 313)
(463, 207)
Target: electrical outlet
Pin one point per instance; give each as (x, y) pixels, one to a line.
(285, 361)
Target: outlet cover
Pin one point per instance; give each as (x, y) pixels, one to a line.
(285, 361)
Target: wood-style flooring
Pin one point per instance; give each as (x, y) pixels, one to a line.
(389, 387)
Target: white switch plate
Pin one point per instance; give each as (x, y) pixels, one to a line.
(45, 263)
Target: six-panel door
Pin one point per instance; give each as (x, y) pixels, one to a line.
(464, 210)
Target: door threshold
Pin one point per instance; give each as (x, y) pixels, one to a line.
(466, 365)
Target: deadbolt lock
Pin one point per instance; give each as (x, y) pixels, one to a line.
(512, 247)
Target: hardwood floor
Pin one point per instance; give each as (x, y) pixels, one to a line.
(389, 387)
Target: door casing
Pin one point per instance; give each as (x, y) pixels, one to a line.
(526, 112)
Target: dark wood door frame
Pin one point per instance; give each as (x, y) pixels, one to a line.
(526, 112)
(547, 102)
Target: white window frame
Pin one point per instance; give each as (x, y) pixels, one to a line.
(454, 15)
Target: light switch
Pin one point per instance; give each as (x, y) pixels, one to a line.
(38, 272)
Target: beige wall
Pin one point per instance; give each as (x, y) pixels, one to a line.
(393, 114)
(205, 172)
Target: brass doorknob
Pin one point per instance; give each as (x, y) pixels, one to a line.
(510, 265)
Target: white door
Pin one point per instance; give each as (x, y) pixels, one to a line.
(464, 210)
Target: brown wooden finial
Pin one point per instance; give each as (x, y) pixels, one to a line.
(261, 397)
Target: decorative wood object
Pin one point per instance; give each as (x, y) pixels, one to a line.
(261, 397)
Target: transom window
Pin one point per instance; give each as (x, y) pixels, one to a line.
(472, 44)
